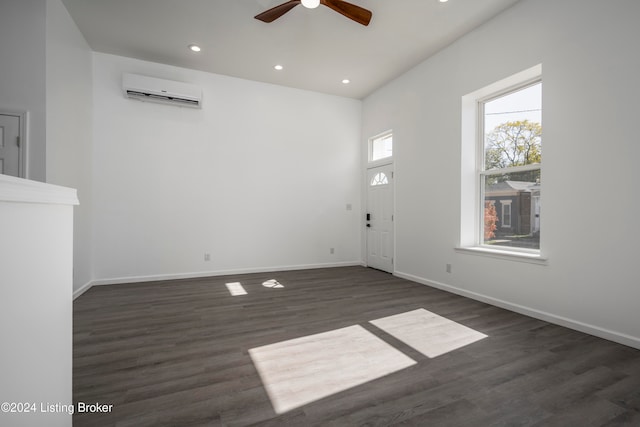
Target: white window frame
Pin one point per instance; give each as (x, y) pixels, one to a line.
(472, 169)
(504, 204)
(384, 160)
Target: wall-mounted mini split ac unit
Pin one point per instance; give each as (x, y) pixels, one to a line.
(151, 89)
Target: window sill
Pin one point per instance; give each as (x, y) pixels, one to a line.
(531, 258)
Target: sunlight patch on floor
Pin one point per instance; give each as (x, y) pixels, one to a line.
(428, 333)
(302, 370)
(235, 289)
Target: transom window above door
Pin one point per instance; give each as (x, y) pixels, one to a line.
(381, 147)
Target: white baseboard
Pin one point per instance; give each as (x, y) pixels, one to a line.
(161, 277)
(597, 331)
(82, 289)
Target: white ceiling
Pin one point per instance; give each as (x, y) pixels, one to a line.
(317, 47)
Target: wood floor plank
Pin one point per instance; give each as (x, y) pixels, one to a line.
(177, 353)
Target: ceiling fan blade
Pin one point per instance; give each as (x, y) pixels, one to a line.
(276, 12)
(351, 11)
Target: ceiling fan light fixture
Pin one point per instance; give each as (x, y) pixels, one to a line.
(355, 13)
(311, 4)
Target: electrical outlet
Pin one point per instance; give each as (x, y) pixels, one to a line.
(448, 268)
(207, 256)
(331, 250)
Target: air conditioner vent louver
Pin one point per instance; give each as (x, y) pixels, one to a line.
(151, 89)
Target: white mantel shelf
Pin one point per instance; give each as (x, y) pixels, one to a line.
(36, 301)
(20, 190)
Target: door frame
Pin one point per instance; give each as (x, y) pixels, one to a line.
(23, 116)
(374, 165)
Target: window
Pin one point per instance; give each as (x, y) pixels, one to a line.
(379, 179)
(511, 139)
(502, 167)
(381, 147)
(506, 213)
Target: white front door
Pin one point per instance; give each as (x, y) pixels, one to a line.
(10, 152)
(379, 218)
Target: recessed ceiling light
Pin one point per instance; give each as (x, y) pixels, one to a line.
(346, 81)
(278, 67)
(194, 48)
(443, 1)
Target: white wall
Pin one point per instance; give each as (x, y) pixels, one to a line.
(36, 225)
(69, 125)
(260, 177)
(590, 234)
(22, 73)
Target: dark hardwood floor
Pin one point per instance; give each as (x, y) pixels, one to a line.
(183, 353)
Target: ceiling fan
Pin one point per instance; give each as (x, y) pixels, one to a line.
(351, 11)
